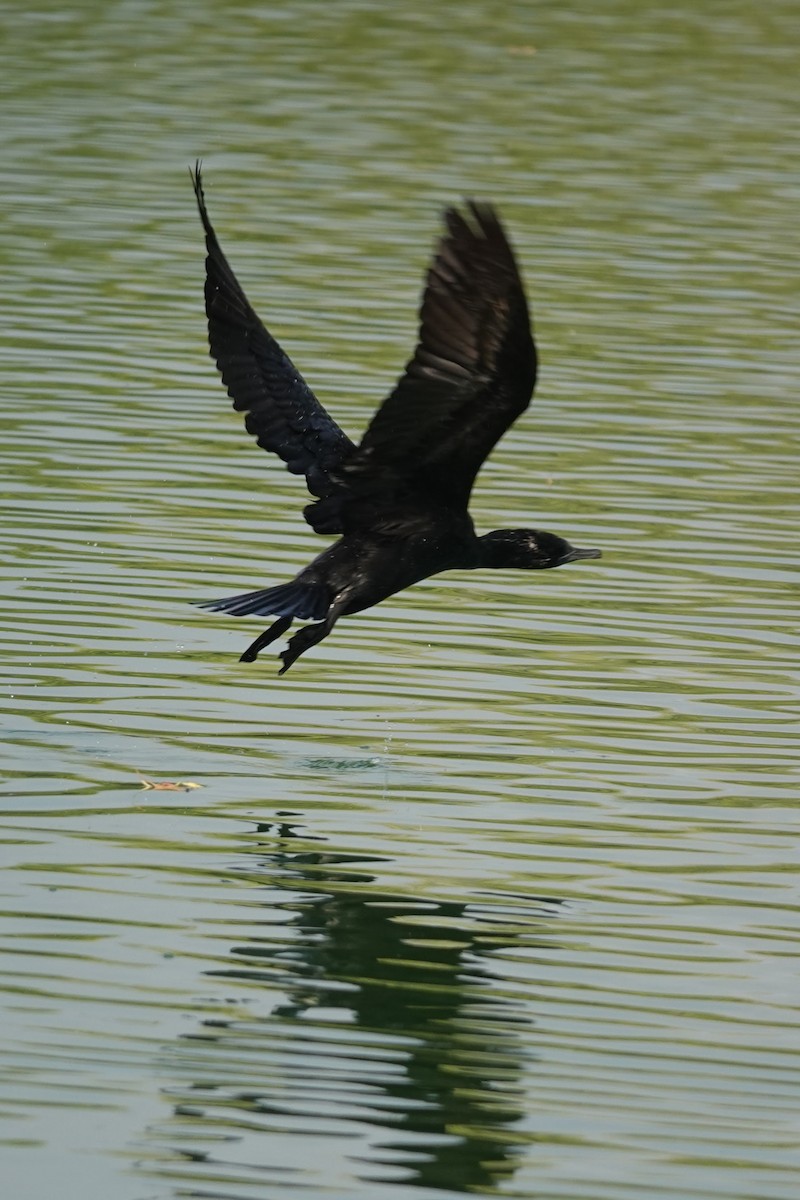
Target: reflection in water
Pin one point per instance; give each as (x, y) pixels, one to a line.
(389, 1001)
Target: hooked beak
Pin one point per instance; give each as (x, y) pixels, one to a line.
(573, 554)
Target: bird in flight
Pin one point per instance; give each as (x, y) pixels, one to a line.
(397, 501)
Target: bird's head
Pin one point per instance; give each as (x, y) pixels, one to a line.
(529, 549)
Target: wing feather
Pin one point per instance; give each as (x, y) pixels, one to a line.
(281, 411)
(472, 373)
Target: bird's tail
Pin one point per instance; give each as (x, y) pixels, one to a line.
(307, 600)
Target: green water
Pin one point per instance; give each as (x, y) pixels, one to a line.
(497, 891)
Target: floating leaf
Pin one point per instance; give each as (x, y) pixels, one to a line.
(166, 785)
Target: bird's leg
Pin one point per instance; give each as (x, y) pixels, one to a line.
(310, 635)
(264, 639)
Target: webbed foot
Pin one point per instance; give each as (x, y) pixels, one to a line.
(264, 639)
(303, 640)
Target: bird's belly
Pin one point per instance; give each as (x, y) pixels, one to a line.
(385, 569)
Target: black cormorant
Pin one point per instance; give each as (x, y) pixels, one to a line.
(398, 500)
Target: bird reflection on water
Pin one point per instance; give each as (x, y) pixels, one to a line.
(399, 1029)
(399, 500)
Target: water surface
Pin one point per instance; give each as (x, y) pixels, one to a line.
(497, 891)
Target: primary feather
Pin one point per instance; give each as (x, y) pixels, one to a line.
(280, 409)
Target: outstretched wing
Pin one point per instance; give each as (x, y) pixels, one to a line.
(471, 376)
(281, 411)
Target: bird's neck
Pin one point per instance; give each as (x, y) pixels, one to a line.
(496, 550)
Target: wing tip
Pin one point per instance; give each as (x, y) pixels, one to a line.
(196, 176)
(477, 218)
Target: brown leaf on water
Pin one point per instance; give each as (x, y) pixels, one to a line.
(166, 785)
